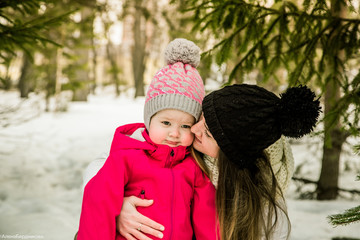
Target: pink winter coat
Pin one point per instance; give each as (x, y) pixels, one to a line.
(184, 198)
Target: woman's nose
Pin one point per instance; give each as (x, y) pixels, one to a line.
(195, 128)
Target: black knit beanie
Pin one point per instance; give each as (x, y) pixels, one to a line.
(245, 119)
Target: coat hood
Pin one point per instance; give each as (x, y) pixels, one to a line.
(135, 136)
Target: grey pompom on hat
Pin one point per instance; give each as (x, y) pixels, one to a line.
(182, 50)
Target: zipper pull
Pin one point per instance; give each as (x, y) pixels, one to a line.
(142, 194)
(172, 152)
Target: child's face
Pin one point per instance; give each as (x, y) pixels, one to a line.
(171, 127)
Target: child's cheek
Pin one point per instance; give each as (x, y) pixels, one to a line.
(189, 139)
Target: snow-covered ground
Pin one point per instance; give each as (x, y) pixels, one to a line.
(42, 161)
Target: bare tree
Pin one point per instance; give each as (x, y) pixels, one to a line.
(82, 53)
(26, 76)
(145, 16)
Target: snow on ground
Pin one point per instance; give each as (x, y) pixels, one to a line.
(42, 161)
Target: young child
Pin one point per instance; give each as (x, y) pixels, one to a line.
(153, 161)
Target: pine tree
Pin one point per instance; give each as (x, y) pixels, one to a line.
(24, 27)
(315, 43)
(351, 215)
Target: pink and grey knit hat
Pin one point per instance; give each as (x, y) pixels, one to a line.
(178, 85)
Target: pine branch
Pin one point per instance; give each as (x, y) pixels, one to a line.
(308, 41)
(349, 216)
(16, 34)
(357, 151)
(252, 50)
(296, 13)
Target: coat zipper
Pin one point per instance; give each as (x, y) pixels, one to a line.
(168, 162)
(142, 194)
(172, 194)
(172, 203)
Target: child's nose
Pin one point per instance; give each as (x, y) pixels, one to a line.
(174, 132)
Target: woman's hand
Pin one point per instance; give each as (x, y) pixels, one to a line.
(132, 225)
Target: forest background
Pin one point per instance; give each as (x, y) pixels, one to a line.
(65, 51)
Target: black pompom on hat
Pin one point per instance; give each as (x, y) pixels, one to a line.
(245, 119)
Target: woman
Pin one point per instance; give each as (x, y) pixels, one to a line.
(244, 120)
(239, 122)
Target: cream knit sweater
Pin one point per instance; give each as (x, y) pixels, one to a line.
(281, 159)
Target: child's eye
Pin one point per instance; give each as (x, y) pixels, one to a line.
(186, 126)
(166, 123)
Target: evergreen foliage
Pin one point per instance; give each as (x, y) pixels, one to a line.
(26, 27)
(313, 42)
(281, 36)
(23, 26)
(42, 27)
(180, 25)
(349, 216)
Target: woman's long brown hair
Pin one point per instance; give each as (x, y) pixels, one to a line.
(199, 158)
(247, 201)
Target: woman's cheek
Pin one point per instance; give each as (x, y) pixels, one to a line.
(210, 147)
(198, 146)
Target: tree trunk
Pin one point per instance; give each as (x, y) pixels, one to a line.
(82, 73)
(114, 68)
(334, 136)
(138, 51)
(93, 76)
(51, 77)
(60, 105)
(24, 84)
(6, 81)
(111, 55)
